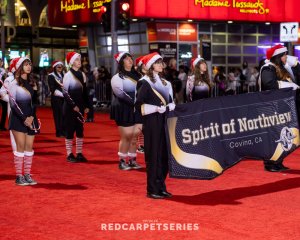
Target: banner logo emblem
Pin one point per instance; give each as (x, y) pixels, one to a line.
(286, 139)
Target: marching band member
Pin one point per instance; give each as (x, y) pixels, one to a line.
(273, 75)
(5, 97)
(22, 121)
(74, 107)
(198, 84)
(153, 98)
(142, 70)
(122, 109)
(55, 80)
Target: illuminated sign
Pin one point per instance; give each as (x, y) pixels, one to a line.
(256, 7)
(236, 10)
(70, 12)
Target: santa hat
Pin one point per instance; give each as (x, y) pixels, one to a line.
(16, 63)
(55, 63)
(71, 56)
(276, 50)
(194, 61)
(139, 61)
(119, 55)
(12, 65)
(151, 58)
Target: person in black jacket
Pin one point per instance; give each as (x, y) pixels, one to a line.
(154, 96)
(273, 75)
(57, 99)
(75, 105)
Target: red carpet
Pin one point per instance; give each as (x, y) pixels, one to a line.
(73, 201)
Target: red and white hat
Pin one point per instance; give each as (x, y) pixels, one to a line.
(12, 65)
(119, 55)
(194, 61)
(139, 61)
(16, 63)
(276, 50)
(55, 63)
(151, 58)
(71, 56)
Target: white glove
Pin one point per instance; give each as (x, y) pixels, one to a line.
(161, 109)
(149, 109)
(292, 60)
(58, 93)
(171, 106)
(283, 84)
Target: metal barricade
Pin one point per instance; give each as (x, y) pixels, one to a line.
(103, 94)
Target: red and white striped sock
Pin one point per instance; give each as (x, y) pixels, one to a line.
(79, 144)
(69, 146)
(28, 161)
(122, 156)
(18, 160)
(140, 139)
(131, 156)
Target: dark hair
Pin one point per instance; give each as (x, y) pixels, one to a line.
(281, 72)
(201, 77)
(150, 73)
(20, 71)
(121, 68)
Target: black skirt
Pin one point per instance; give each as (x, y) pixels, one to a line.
(17, 124)
(122, 113)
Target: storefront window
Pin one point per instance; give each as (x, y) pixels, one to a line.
(45, 55)
(234, 39)
(234, 49)
(185, 54)
(248, 28)
(58, 54)
(219, 60)
(234, 28)
(266, 29)
(264, 40)
(249, 39)
(204, 27)
(219, 49)
(219, 39)
(249, 49)
(234, 60)
(219, 27)
(11, 53)
(250, 60)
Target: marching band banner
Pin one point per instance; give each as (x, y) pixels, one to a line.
(208, 136)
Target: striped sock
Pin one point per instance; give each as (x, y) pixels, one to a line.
(28, 161)
(140, 139)
(69, 146)
(18, 160)
(131, 156)
(79, 144)
(122, 156)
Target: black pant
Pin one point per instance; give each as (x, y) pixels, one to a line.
(90, 114)
(4, 114)
(57, 109)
